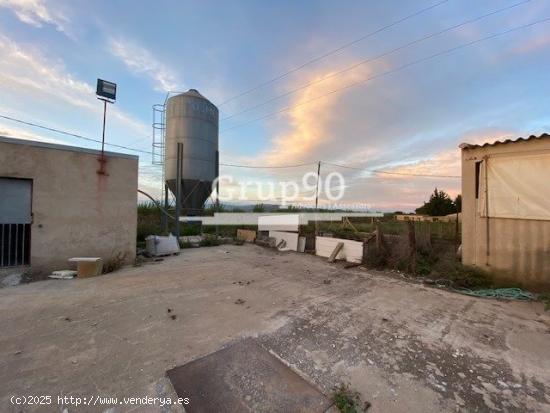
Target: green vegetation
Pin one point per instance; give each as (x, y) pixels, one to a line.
(347, 400)
(209, 241)
(447, 267)
(545, 298)
(150, 223)
(258, 208)
(114, 263)
(210, 209)
(440, 204)
(185, 244)
(361, 226)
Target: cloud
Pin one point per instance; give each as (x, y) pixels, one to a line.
(534, 44)
(37, 13)
(25, 72)
(444, 163)
(142, 62)
(19, 133)
(309, 120)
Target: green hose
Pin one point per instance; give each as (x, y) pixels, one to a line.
(509, 293)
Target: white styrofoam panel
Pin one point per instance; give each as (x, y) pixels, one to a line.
(301, 244)
(291, 239)
(279, 222)
(251, 218)
(352, 251)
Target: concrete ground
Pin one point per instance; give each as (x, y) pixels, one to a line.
(405, 347)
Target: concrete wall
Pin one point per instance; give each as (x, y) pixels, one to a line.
(519, 249)
(76, 211)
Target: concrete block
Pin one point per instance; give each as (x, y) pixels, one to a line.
(87, 266)
(246, 235)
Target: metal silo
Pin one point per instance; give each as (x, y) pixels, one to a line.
(191, 120)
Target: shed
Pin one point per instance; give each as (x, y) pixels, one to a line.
(506, 209)
(58, 203)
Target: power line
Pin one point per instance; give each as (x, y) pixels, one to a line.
(338, 49)
(397, 69)
(75, 135)
(221, 164)
(372, 59)
(247, 166)
(379, 171)
(267, 167)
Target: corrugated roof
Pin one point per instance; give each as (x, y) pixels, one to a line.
(502, 142)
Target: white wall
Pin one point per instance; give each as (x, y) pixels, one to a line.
(251, 218)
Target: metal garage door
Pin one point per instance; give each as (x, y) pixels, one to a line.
(15, 221)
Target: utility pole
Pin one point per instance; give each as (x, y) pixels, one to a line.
(179, 169)
(164, 217)
(217, 209)
(317, 198)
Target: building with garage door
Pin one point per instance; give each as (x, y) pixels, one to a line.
(506, 209)
(59, 202)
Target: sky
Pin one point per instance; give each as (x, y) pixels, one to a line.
(363, 106)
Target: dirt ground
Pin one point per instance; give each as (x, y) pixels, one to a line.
(405, 347)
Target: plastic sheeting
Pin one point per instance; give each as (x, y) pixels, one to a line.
(517, 187)
(157, 245)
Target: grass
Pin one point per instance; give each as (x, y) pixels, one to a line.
(185, 244)
(545, 298)
(150, 223)
(114, 263)
(347, 400)
(209, 241)
(437, 263)
(229, 231)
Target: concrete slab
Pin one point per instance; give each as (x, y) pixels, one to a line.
(244, 377)
(404, 347)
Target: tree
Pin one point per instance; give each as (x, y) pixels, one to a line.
(440, 204)
(458, 203)
(258, 208)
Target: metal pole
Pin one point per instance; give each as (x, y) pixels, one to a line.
(217, 191)
(104, 119)
(164, 218)
(178, 188)
(217, 181)
(317, 198)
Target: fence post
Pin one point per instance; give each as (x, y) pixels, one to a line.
(379, 237)
(412, 248)
(457, 230)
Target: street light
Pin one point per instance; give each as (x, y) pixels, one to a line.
(105, 91)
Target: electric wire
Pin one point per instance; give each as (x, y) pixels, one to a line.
(377, 57)
(391, 71)
(331, 52)
(221, 164)
(75, 135)
(379, 171)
